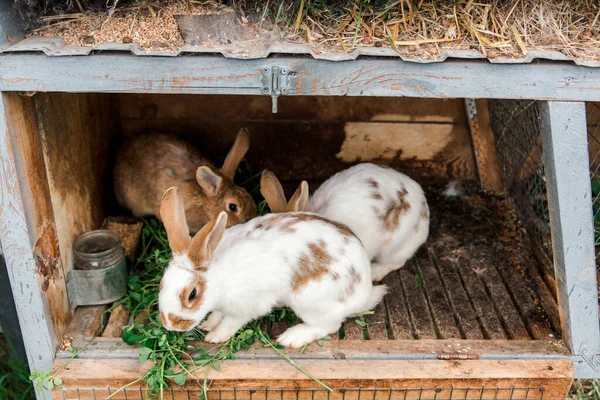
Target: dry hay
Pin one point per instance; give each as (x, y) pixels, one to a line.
(497, 28)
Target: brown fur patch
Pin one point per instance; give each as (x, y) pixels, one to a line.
(335, 276)
(355, 279)
(373, 183)
(425, 211)
(180, 323)
(298, 217)
(163, 320)
(391, 216)
(196, 303)
(311, 266)
(377, 196)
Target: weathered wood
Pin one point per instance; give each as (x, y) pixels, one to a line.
(81, 126)
(32, 307)
(412, 283)
(87, 322)
(352, 330)
(443, 314)
(492, 328)
(400, 321)
(363, 77)
(547, 301)
(249, 376)
(569, 196)
(536, 324)
(119, 317)
(483, 266)
(463, 309)
(29, 160)
(485, 148)
(376, 323)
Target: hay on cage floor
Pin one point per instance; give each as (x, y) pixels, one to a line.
(421, 28)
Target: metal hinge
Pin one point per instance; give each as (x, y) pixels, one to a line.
(588, 355)
(276, 81)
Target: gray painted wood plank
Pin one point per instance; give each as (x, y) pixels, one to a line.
(440, 306)
(363, 77)
(463, 309)
(36, 326)
(566, 160)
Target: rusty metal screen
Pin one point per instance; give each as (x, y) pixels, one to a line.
(516, 129)
(417, 393)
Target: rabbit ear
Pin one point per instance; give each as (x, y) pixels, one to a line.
(272, 191)
(208, 180)
(237, 152)
(299, 201)
(172, 213)
(205, 242)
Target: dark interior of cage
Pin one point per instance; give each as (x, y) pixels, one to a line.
(484, 272)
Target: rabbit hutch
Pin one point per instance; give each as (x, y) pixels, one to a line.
(500, 303)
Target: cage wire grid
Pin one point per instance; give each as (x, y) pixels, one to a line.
(416, 393)
(516, 129)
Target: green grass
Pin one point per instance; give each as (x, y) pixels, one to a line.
(585, 390)
(14, 377)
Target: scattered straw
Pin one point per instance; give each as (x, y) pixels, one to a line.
(420, 28)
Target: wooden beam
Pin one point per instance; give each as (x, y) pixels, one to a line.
(278, 379)
(207, 74)
(484, 145)
(564, 135)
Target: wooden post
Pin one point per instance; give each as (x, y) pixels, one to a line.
(566, 160)
(33, 310)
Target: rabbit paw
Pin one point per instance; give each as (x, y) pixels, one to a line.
(213, 320)
(300, 335)
(225, 330)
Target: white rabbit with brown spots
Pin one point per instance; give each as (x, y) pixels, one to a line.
(147, 165)
(386, 209)
(300, 260)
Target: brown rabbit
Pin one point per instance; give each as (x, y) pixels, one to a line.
(148, 165)
(271, 189)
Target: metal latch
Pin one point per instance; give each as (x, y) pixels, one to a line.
(276, 81)
(588, 355)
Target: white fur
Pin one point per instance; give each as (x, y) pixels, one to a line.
(347, 197)
(252, 271)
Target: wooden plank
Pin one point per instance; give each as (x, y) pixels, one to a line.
(251, 376)
(78, 183)
(119, 317)
(443, 314)
(207, 74)
(463, 309)
(86, 322)
(352, 330)
(482, 263)
(400, 321)
(412, 283)
(29, 159)
(533, 318)
(299, 109)
(567, 174)
(547, 300)
(426, 349)
(485, 148)
(32, 307)
(492, 328)
(376, 326)
(428, 151)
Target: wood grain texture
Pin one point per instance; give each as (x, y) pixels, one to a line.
(376, 323)
(412, 284)
(566, 160)
(400, 320)
(427, 139)
(485, 149)
(29, 159)
(208, 74)
(81, 126)
(119, 317)
(32, 308)
(249, 377)
(86, 322)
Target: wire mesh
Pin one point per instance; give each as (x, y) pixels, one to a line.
(416, 393)
(516, 128)
(593, 129)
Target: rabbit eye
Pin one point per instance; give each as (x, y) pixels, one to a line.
(233, 207)
(192, 295)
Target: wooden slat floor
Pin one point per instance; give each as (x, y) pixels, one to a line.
(474, 279)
